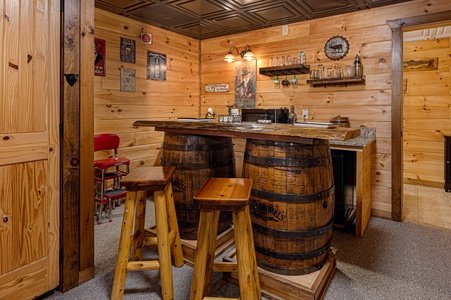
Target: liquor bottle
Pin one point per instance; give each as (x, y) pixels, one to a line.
(358, 66)
(292, 117)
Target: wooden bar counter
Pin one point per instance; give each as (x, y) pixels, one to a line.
(272, 132)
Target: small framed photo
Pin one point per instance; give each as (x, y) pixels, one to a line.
(99, 57)
(128, 50)
(128, 80)
(156, 66)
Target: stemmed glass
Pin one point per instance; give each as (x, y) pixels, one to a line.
(276, 82)
(294, 82)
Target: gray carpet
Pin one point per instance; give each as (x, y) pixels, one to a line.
(392, 261)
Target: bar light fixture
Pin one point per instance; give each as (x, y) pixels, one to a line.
(245, 54)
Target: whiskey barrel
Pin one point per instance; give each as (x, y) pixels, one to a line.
(196, 159)
(292, 204)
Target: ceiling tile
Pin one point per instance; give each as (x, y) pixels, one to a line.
(202, 19)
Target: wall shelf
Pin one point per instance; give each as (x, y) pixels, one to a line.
(285, 70)
(336, 81)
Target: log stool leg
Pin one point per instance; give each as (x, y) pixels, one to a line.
(137, 253)
(120, 271)
(164, 250)
(177, 253)
(205, 253)
(245, 254)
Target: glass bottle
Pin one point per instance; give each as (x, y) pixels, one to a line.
(292, 117)
(358, 66)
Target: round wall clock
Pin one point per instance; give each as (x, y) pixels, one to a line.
(336, 47)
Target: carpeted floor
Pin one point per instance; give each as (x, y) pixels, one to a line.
(392, 261)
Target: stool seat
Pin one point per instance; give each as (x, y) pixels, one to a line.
(216, 195)
(137, 183)
(148, 178)
(225, 194)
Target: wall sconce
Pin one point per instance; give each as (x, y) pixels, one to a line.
(245, 54)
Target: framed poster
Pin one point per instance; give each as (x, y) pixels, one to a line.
(99, 57)
(156, 66)
(128, 80)
(245, 84)
(128, 50)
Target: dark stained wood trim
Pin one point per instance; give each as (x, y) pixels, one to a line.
(86, 140)
(70, 146)
(396, 123)
(397, 27)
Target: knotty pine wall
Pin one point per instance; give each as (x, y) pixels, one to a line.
(189, 69)
(178, 96)
(366, 105)
(427, 102)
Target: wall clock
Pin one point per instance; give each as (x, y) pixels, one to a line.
(336, 47)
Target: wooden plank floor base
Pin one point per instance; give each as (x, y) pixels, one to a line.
(224, 241)
(274, 286)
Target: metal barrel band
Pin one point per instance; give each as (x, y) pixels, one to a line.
(286, 161)
(257, 228)
(198, 166)
(194, 147)
(290, 271)
(294, 256)
(293, 198)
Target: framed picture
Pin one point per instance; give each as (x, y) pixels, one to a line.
(99, 57)
(245, 83)
(128, 80)
(128, 50)
(156, 66)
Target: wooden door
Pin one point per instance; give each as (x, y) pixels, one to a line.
(29, 147)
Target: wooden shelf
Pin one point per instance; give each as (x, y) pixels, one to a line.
(285, 70)
(336, 81)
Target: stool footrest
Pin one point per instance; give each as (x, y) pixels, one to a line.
(143, 265)
(225, 267)
(150, 241)
(153, 240)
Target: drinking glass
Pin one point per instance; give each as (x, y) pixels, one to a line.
(288, 60)
(276, 83)
(330, 73)
(294, 82)
(339, 73)
(320, 71)
(350, 71)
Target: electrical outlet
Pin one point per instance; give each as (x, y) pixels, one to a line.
(284, 29)
(305, 113)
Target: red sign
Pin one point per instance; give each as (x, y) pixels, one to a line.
(99, 57)
(146, 38)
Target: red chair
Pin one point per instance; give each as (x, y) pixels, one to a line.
(108, 169)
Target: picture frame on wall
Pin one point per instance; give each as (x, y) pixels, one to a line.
(156, 66)
(128, 80)
(245, 84)
(99, 57)
(128, 50)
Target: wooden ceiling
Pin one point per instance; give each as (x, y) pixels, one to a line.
(202, 19)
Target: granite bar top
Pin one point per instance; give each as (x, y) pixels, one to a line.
(367, 136)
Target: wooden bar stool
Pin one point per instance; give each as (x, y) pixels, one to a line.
(137, 183)
(216, 195)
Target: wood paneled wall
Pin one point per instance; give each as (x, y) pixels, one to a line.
(366, 105)
(178, 96)
(183, 92)
(427, 102)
